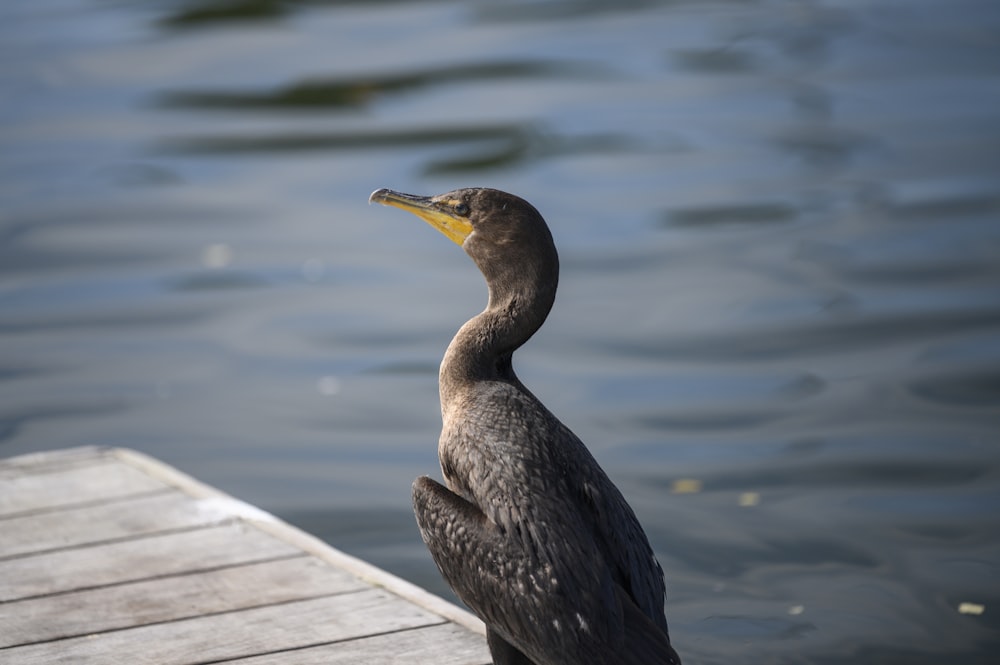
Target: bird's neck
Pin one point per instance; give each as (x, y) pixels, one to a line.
(482, 348)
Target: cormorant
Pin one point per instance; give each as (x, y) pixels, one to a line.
(530, 533)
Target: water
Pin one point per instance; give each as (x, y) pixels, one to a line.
(778, 326)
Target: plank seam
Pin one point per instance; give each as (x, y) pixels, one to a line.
(107, 500)
(120, 539)
(345, 640)
(161, 576)
(194, 617)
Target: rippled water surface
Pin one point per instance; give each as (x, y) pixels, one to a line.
(779, 320)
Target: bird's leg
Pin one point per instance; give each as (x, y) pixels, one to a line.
(503, 652)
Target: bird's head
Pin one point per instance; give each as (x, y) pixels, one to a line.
(504, 234)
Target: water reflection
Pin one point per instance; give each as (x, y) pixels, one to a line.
(328, 141)
(715, 61)
(13, 422)
(976, 387)
(887, 472)
(754, 214)
(839, 334)
(216, 280)
(486, 147)
(195, 14)
(560, 10)
(823, 146)
(358, 92)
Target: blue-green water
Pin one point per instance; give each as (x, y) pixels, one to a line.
(779, 225)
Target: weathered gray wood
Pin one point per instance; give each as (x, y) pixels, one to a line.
(446, 644)
(52, 459)
(235, 634)
(169, 599)
(47, 489)
(108, 556)
(132, 560)
(107, 521)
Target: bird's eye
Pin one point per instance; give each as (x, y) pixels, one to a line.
(461, 209)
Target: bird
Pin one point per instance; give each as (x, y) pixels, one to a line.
(527, 530)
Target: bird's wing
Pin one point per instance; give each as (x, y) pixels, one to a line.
(626, 547)
(554, 610)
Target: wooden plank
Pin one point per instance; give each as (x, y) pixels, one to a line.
(60, 487)
(230, 635)
(446, 644)
(133, 560)
(109, 521)
(169, 599)
(52, 459)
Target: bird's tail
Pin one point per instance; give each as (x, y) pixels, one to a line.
(645, 642)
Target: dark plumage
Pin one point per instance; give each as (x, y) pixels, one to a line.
(529, 532)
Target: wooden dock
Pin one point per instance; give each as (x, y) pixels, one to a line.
(109, 556)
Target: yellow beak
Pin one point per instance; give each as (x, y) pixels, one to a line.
(435, 213)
